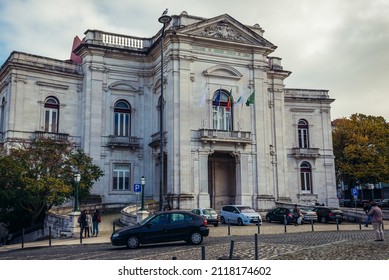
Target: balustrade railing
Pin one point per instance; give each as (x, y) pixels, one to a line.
(225, 136)
(118, 40)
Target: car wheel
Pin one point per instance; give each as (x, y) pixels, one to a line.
(133, 242)
(216, 224)
(196, 238)
(240, 222)
(323, 220)
(268, 219)
(222, 220)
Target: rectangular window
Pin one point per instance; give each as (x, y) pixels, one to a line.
(306, 181)
(51, 120)
(222, 119)
(121, 177)
(303, 138)
(122, 124)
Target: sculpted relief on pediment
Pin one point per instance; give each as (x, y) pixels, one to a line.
(223, 30)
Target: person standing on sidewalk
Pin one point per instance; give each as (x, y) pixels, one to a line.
(296, 214)
(82, 220)
(376, 220)
(88, 225)
(96, 219)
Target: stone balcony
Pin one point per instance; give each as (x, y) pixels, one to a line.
(221, 136)
(130, 142)
(59, 137)
(155, 139)
(305, 152)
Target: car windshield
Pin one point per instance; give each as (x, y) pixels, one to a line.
(144, 221)
(246, 209)
(209, 212)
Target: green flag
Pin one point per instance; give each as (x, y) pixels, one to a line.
(251, 99)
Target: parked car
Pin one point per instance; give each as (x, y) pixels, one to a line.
(308, 215)
(239, 214)
(279, 214)
(163, 227)
(327, 214)
(208, 213)
(344, 202)
(385, 203)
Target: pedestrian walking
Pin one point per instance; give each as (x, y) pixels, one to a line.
(376, 221)
(296, 215)
(96, 219)
(82, 220)
(367, 209)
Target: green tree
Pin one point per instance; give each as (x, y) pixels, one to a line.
(361, 149)
(35, 177)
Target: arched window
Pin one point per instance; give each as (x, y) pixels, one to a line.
(306, 177)
(122, 124)
(222, 111)
(51, 114)
(303, 136)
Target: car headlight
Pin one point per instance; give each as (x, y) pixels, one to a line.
(115, 235)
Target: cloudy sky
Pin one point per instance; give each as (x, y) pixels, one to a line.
(339, 45)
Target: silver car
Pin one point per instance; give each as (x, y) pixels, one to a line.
(308, 215)
(239, 214)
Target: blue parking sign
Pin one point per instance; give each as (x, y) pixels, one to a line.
(354, 192)
(137, 187)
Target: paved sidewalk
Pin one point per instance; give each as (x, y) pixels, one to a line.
(105, 231)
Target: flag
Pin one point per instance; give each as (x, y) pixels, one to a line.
(240, 100)
(217, 99)
(228, 107)
(251, 99)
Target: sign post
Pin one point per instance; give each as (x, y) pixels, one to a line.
(354, 192)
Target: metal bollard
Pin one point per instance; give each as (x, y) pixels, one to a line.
(285, 222)
(203, 252)
(113, 226)
(231, 249)
(312, 225)
(337, 224)
(360, 223)
(229, 230)
(23, 238)
(49, 236)
(259, 227)
(256, 246)
(80, 237)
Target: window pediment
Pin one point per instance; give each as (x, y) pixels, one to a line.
(123, 86)
(223, 71)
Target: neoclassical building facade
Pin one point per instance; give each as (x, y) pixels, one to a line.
(232, 131)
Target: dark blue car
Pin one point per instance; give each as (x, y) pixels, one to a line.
(163, 227)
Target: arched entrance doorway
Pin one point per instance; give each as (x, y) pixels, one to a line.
(221, 179)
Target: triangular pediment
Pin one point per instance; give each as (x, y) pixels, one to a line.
(225, 28)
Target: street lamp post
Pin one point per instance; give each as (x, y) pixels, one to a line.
(164, 19)
(143, 183)
(77, 178)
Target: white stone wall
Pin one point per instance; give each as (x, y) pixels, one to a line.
(265, 169)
